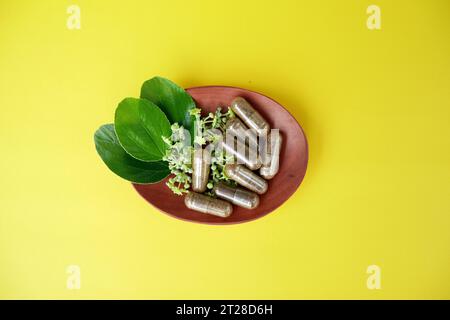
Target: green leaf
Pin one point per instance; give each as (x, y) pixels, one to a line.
(140, 126)
(124, 165)
(173, 100)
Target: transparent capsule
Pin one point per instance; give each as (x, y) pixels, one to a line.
(269, 171)
(246, 178)
(249, 115)
(201, 159)
(238, 149)
(238, 196)
(240, 130)
(201, 203)
(264, 148)
(250, 137)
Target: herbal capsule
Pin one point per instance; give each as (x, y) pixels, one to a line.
(241, 152)
(238, 196)
(250, 136)
(201, 160)
(264, 148)
(250, 116)
(237, 128)
(246, 178)
(268, 172)
(205, 204)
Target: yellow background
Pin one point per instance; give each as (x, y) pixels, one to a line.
(375, 106)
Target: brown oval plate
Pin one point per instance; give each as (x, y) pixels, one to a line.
(293, 159)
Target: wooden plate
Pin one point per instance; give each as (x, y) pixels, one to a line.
(293, 159)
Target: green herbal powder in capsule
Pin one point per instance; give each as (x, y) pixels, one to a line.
(246, 178)
(239, 129)
(205, 204)
(250, 137)
(201, 160)
(238, 196)
(248, 114)
(255, 121)
(268, 172)
(239, 150)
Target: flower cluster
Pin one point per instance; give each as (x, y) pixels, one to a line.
(204, 125)
(178, 157)
(218, 161)
(180, 150)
